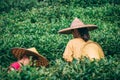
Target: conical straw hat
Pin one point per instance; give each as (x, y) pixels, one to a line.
(76, 24)
(19, 52)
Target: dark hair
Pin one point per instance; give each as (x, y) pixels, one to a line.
(84, 34)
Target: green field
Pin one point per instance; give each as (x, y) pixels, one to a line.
(32, 23)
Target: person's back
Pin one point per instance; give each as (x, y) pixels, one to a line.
(92, 50)
(78, 48)
(73, 49)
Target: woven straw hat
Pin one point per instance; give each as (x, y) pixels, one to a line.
(76, 24)
(20, 52)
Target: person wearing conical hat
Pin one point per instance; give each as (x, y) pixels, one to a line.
(23, 55)
(81, 46)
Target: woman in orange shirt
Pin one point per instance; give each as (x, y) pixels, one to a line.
(81, 46)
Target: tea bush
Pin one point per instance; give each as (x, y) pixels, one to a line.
(7, 5)
(38, 25)
(105, 69)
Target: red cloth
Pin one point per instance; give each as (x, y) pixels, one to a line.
(15, 65)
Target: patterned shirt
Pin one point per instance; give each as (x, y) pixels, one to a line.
(16, 66)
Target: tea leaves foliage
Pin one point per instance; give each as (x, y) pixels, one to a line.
(35, 23)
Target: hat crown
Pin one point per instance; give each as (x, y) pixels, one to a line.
(33, 49)
(76, 23)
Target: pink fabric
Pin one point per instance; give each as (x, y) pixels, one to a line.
(15, 65)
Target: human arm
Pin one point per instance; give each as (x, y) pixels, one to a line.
(14, 66)
(67, 55)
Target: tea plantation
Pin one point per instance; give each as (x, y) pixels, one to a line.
(35, 23)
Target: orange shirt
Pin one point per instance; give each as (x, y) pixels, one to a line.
(78, 48)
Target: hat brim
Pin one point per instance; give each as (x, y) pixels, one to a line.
(69, 30)
(19, 52)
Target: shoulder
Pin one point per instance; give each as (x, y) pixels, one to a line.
(12, 66)
(15, 65)
(72, 40)
(76, 40)
(92, 44)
